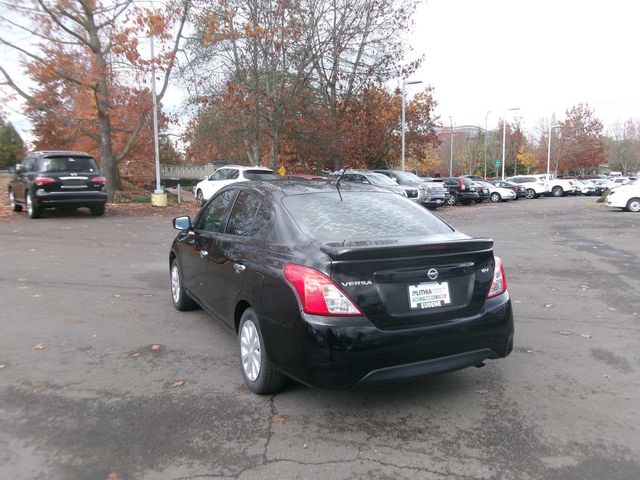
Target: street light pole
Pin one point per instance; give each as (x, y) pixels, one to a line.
(451, 152)
(403, 127)
(155, 119)
(504, 138)
(485, 143)
(551, 127)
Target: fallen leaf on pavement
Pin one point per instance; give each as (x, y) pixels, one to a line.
(529, 351)
(147, 295)
(117, 296)
(39, 346)
(36, 295)
(114, 476)
(605, 376)
(2, 365)
(155, 347)
(178, 383)
(482, 392)
(548, 305)
(586, 335)
(562, 332)
(40, 388)
(135, 354)
(278, 419)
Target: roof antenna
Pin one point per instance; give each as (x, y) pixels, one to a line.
(338, 182)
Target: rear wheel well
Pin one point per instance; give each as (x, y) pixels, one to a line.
(237, 315)
(172, 257)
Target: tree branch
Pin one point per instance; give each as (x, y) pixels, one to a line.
(132, 138)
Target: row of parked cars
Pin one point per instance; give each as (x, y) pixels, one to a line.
(430, 192)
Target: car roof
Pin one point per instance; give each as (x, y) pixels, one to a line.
(245, 167)
(285, 187)
(61, 153)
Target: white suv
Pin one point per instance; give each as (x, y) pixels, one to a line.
(534, 187)
(226, 176)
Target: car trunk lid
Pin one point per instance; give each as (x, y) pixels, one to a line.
(415, 283)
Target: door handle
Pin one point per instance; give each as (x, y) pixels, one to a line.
(239, 267)
(203, 253)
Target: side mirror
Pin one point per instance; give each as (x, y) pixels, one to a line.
(182, 223)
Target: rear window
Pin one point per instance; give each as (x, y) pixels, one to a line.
(67, 164)
(361, 216)
(259, 175)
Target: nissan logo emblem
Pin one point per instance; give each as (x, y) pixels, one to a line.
(432, 274)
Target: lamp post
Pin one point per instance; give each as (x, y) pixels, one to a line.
(404, 101)
(504, 138)
(485, 143)
(451, 152)
(551, 127)
(158, 198)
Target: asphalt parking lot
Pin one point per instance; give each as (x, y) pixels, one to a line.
(103, 379)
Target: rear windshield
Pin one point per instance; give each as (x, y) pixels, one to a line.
(259, 175)
(361, 216)
(67, 164)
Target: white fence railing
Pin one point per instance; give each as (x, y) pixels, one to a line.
(190, 172)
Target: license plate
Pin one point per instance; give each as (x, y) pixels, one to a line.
(429, 295)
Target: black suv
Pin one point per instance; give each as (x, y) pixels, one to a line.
(461, 190)
(49, 179)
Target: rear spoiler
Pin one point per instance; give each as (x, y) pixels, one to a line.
(367, 250)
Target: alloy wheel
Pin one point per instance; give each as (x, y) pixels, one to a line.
(495, 197)
(175, 283)
(200, 198)
(250, 350)
(531, 193)
(634, 205)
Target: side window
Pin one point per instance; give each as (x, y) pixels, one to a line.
(212, 217)
(232, 174)
(28, 164)
(242, 215)
(249, 217)
(216, 175)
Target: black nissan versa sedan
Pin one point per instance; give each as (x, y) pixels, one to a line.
(338, 285)
(55, 178)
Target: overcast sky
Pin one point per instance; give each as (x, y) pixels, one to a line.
(542, 56)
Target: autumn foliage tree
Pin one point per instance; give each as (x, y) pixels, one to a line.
(582, 140)
(88, 72)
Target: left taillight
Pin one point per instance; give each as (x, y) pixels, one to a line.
(499, 281)
(99, 180)
(42, 181)
(318, 294)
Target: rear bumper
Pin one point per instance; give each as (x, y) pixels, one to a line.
(340, 352)
(429, 201)
(70, 199)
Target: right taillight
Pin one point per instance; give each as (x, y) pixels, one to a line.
(317, 292)
(499, 281)
(462, 185)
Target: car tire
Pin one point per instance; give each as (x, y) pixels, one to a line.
(480, 200)
(181, 299)
(33, 210)
(97, 211)
(531, 193)
(495, 197)
(257, 370)
(557, 191)
(12, 202)
(466, 202)
(199, 198)
(453, 199)
(633, 205)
